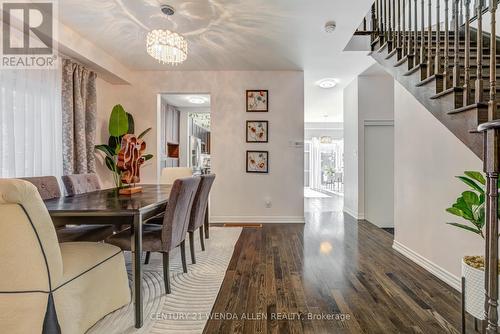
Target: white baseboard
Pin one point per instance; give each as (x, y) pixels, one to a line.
(355, 215)
(257, 219)
(430, 266)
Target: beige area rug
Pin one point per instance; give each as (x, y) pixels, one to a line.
(193, 295)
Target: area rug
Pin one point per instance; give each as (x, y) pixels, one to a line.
(188, 307)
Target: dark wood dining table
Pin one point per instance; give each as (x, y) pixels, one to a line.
(108, 207)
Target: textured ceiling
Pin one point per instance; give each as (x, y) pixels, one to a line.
(234, 35)
(222, 34)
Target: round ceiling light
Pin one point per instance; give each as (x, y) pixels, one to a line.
(197, 100)
(327, 83)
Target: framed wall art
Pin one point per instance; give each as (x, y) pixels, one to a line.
(257, 162)
(257, 131)
(257, 101)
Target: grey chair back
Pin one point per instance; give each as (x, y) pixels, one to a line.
(201, 202)
(177, 214)
(47, 186)
(81, 183)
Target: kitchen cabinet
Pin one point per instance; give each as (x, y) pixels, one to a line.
(170, 119)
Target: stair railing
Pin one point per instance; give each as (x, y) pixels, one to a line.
(396, 24)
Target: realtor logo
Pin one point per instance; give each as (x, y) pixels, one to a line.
(28, 31)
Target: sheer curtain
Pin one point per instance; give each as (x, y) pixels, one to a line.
(30, 123)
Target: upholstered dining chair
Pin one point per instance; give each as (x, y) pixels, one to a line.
(172, 233)
(198, 212)
(76, 184)
(48, 188)
(170, 174)
(47, 287)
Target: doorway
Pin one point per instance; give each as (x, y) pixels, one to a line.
(379, 173)
(185, 131)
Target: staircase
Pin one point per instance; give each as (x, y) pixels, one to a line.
(454, 86)
(431, 48)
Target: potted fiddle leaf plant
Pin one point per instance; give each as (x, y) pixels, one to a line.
(470, 206)
(120, 124)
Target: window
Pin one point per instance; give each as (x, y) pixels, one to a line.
(30, 123)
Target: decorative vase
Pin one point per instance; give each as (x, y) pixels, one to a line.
(474, 291)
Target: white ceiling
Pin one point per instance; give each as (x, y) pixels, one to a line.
(231, 35)
(182, 100)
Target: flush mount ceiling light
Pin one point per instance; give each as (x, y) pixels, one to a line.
(326, 83)
(197, 100)
(165, 46)
(330, 27)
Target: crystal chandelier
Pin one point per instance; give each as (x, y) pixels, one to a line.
(167, 47)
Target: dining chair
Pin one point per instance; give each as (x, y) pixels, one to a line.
(48, 188)
(172, 233)
(170, 174)
(198, 212)
(76, 184)
(48, 287)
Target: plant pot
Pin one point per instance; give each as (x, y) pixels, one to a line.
(474, 291)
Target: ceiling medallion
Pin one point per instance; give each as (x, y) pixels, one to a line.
(166, 46)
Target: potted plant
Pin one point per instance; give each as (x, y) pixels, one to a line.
(120, 124)
(470, 206)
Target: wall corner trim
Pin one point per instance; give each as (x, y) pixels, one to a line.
(428, 265)
(257, 219)
(353, 214)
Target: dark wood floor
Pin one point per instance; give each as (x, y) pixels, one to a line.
(332, 266)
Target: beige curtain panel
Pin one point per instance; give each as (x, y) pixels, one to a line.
(79, 109)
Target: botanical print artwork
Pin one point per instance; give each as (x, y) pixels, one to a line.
(257, 162)
(257, 131)
(257, 100)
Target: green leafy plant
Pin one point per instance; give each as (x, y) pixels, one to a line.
(471, 204)
(120, 123)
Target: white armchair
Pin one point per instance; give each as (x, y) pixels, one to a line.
(47, 287)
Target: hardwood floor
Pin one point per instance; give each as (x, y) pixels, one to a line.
(333, 267)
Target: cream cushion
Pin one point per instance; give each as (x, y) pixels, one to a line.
(87, 280)
(170, 174)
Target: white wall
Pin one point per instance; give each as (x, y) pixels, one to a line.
(237, 196)
(335, 130)
(427, 159)
(367, 98)
(351, 189)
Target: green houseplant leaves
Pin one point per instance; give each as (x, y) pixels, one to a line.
(471, 204)
(120, 123)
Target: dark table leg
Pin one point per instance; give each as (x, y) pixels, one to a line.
(137, 242)
(207, 223)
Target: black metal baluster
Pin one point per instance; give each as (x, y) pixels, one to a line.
(479, 87)
(398, 38)
(403, 34)
(430, 68)
(456, 65)
(446, 72)
(422, 32)
(415, 24)
(437, 59)
(466, 91)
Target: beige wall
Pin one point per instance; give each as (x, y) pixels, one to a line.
(427, 159)
(237, 196)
